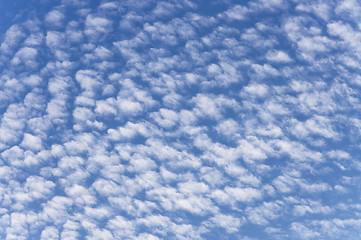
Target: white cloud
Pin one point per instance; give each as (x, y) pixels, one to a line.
(278, 56)
(264, 213)
(55, 40)
(231, 224)
(258, 90)
(55, 210)
(50, 233)
(264, 71)
(54, 18)
(32, 142)
(34, 40)
(80, 195)
(97, 27)
(349, 7)
(13, 36)
(320, 9)
(303, 232)
(193, 187)
(311, 208)
(237, 12)
(106, 187)
(243, 194)
(206, 106)
(97, 213)
(83, 114)
(26, 55)
(35, 188)
(165, 118)
(106, 107)
(268, 5)
(88, 79)
(121, 227)
(180, 120)
(33, 80)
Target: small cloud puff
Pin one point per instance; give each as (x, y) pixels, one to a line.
(278, 56)
(54, 18)
(31, 142)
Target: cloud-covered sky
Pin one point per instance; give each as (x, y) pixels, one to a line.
(180, 119)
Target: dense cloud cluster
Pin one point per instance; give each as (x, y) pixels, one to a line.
(180, 119)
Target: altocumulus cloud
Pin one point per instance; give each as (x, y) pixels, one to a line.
(180, 119)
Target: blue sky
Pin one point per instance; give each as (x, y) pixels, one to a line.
(180, 119)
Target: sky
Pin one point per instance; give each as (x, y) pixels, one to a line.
(180, 119)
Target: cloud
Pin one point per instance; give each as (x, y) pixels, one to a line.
(243, 194)
(121, 227)
(311, 208)
(50, 233)
(95, 27)
(320, 9)
(31, 142)
(54, 18)
(13, 36)
(264, 213)
(26, 55)
(278, 56)
(348, 7)
(237, 12)
(231, 224)
(180, 120)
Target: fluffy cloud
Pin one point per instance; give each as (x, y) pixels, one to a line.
(31, 142)
(180, 120)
